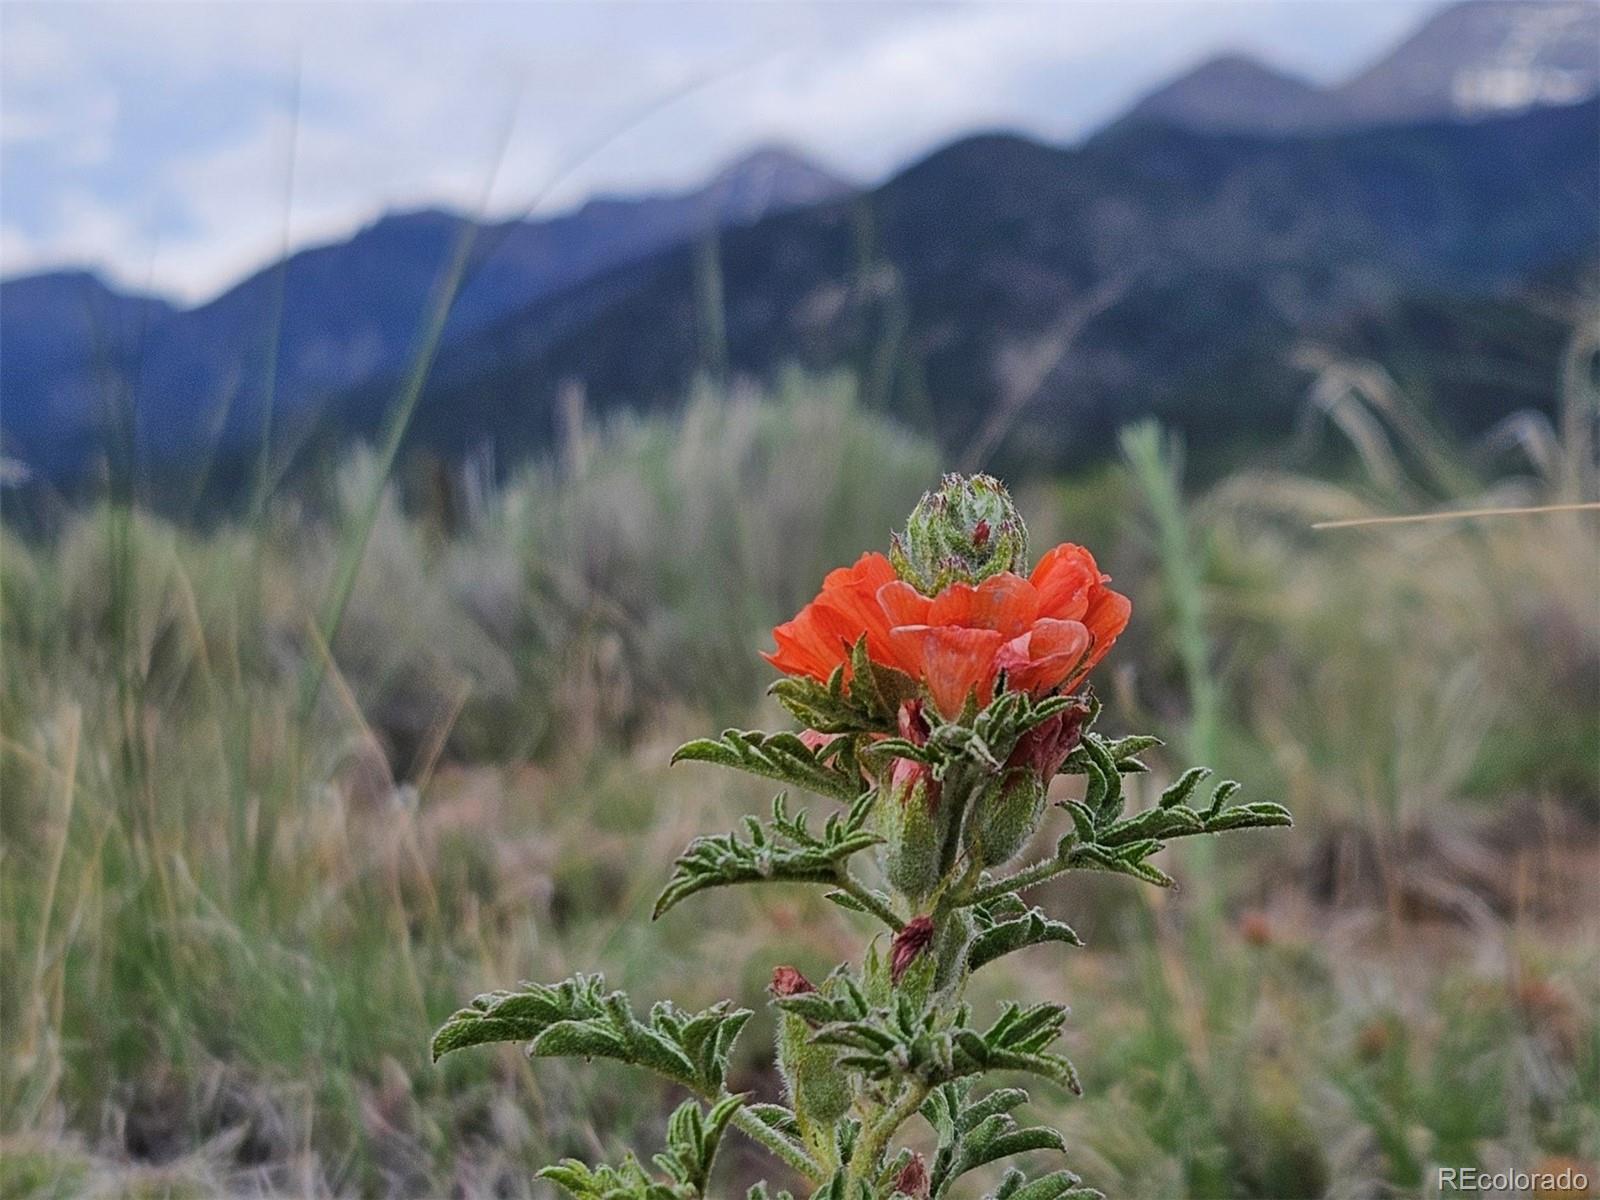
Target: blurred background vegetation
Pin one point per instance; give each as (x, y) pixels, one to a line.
(253, 856)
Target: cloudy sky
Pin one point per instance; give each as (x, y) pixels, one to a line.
(175, 146)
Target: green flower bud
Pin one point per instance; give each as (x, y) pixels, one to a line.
(913, 824)
(1008, 810)
(912, 820)
(1005, 816)
(964, 532)
(950, 949)
(819, 1088)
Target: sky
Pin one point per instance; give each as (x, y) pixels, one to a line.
(174, 147)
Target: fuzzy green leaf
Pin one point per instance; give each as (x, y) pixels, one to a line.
(784, 852)
(997, 937)
(973, 1134)
(780, 756)
(1058, 1185)
(578, 1018)
(693, 1137)
(902, 1042)
(1180, 791)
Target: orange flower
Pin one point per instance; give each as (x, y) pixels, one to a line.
(1045, 632)
(821, 635)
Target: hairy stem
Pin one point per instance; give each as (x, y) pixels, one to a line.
(1025, 878)
(781, 1147)
(862, 894)
(875, 1137)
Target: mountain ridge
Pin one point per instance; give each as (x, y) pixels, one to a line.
(819, 273)
(351, 308)
(1238, 246)
(1468, 60)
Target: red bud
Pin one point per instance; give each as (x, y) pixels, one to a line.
(1045, 747)
(913, 1179)
(786, 981)
(913, 725)
(909, 945)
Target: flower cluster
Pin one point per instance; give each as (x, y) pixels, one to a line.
(1038, 634)
(938, 691)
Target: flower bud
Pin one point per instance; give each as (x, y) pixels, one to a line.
(912, 1181)
(1005, 816)
(818, 1087)
(911, 820)
(964, 532)
(1007, 812)
(910, 944)
(787, 981)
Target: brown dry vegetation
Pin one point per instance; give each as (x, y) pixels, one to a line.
(233, 918)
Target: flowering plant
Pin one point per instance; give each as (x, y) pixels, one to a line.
(938, 690)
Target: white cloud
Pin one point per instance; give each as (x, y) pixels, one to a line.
(132, 130)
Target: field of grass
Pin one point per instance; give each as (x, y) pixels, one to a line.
(258, 843)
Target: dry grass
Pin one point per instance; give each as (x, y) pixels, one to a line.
(232, 923)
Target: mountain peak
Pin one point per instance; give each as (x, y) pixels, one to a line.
(768, 178)
(1232, 93)
(1483, 57)
(74, 285)
(1472, 59)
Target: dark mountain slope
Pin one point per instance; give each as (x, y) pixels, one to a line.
(64, 337)
(351, 311)
(1194, 260)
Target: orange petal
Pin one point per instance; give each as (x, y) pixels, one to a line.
(806, 646)
(1107, 617)
(953, 661)
(1045, 656)
(1050, 636)
(1005, 602)
(872, 570)
(822, 634)
(903, 604)
(1064, 577)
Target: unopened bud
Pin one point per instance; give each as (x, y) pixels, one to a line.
(1005, 816)
(786, 981)
(910, 818)
(910, 944)
(964, 532)
(912, 1181)
(1007, 813)
(819, 1089)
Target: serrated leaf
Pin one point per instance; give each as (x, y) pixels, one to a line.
(1123, 752)
(832, 708)
(1259, 814)
(1058, 1185)
(776, 1116)
(972, 1135)
(1153, 823)
(693, 1137)
(1183, 787)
